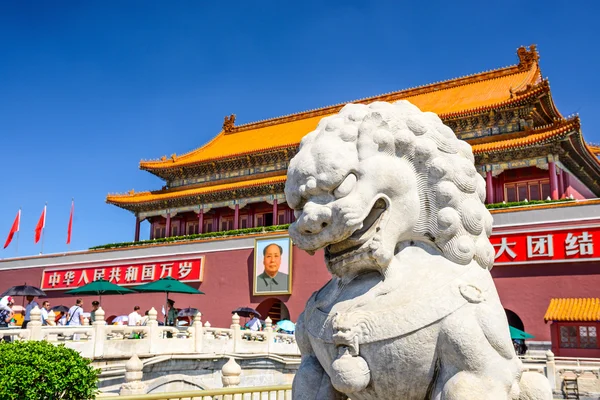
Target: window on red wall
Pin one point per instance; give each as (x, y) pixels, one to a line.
(192, 228)
(159, 232)
(530, 190)
(578, 337)
(587, 337)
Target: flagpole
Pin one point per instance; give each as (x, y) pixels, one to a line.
(18, 231)
(42, 250)
(71, 225)
(44, 228)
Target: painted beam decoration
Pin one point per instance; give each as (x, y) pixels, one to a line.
(572, 244)
(124, 274)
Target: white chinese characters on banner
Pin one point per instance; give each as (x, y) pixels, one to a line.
(128, 273)
(131, 274)
(69, 277)
(581, 244)
(184, 269)
(540, 246)
(166, 270)
(98, 274)
(114, 275)
(148, 272)
(537, 247)
(54, 279)
(83, 279)
(505, 247)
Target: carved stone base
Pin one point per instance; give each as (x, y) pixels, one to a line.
(135, 387)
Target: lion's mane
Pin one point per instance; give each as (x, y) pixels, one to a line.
(452, 194)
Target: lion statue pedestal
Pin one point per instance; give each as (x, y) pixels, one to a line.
(411, 312)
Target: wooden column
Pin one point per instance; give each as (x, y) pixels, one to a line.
(201, 221)
(553, 180)
(137, 229)
(489, 185)
(250, 217)
(236, 217)
(561, 184)
(567, 183)
(217, 221)
(275, 212)
(168, 225)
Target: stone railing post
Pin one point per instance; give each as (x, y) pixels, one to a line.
(230, 373)
(269, 332)
(551, 369)
(235, 327)
(152, 325)
(133, 377)
(198, 333)
(99, 326)
(51, 318)
(53, 337)
(35, 324)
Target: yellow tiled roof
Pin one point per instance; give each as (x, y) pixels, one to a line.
(527, 138)
(595, 149)
(146, 197)
(585, 309)
(454, 97)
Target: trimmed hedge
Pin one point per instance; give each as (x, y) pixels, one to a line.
(262, 229)
(524, 203)
(187, 238)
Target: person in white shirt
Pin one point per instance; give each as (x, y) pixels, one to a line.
(45, 310)
(75, 316)
(254, 324)
(134, 319)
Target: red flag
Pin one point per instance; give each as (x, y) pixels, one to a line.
(70, 222)
(14, 229)
(40, 225)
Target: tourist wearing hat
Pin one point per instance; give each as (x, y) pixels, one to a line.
(4, 303)
(6, 315)
(172, 313)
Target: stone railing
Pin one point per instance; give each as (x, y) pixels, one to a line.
(134, 387)
(586, 371)
(101, 341)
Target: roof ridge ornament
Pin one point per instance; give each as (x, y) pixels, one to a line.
(527, 57)
(229, 123)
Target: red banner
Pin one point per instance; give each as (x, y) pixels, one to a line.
(559, 245)
(138, 273)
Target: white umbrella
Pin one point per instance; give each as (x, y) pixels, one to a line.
(121, 319)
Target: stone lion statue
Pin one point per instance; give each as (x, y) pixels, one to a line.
(411, 312)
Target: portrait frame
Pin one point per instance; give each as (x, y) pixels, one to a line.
(285, 242)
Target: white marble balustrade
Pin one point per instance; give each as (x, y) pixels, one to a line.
(99, 340)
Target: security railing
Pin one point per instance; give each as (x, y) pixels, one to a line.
(281, 392)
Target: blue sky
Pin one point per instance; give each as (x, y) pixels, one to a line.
(89, 88)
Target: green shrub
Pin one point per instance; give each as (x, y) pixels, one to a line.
(38, 370)
(236, 232)
(523, 203)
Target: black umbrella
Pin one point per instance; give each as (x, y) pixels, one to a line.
(64, 309)
(24, 290)
(187, 312)
(245, 312)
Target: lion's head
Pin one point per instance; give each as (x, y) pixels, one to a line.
(371, 179)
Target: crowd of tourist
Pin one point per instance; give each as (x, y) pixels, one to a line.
(73, 316)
